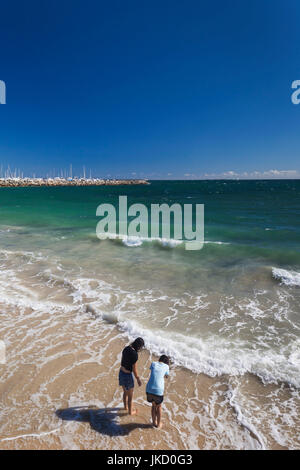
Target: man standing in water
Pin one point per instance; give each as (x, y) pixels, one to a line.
(128, 366)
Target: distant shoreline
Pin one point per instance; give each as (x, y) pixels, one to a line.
(30, 182)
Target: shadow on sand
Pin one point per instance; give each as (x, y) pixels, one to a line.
(103, 420)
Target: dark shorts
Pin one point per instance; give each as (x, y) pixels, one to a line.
(158, 399)
(126, 380)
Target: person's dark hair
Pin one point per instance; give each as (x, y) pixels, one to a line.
(164, 359)
(138, 344)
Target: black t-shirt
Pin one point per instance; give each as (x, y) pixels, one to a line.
(129, 357)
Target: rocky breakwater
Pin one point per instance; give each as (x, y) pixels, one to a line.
(19, 182)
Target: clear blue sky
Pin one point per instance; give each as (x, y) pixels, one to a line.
(163, 89)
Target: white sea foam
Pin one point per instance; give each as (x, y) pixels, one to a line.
(242, 419)
(134, 241)
(212, 354)
(289, 278)
(216, 356)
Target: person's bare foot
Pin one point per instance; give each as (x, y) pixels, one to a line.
(134, 412)
(159, 426)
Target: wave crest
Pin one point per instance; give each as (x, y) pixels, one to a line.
(288, 278)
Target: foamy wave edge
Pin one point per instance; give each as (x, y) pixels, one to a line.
(194, 354)
(133, 241)
(288, 278)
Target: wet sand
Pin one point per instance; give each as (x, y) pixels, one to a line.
(73, 402)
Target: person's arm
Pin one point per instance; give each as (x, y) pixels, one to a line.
(134, 370)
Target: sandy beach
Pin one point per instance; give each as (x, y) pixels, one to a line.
(73, 402)
(97, 421)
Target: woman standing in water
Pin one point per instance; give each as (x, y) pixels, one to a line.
(155, 387)
(128, 366)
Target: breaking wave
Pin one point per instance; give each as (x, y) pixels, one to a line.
(288, 278)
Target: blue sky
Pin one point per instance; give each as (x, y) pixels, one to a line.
(160, 89)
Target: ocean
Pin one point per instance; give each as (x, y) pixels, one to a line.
(228, 315)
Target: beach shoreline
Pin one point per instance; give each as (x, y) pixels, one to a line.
(87, 423)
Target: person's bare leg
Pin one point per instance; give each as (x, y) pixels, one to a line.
(153, 414)
(158, 416)
(125, 396)
(131, 410)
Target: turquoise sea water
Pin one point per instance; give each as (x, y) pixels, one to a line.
(236, 212)
(229, 309)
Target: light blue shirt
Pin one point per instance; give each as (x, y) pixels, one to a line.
(156, 384)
